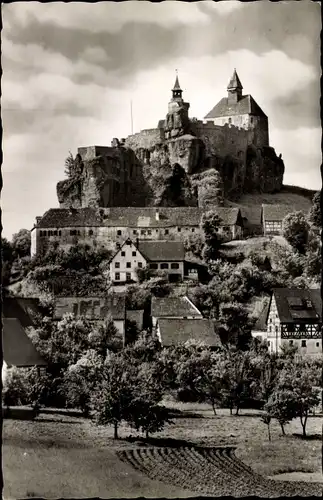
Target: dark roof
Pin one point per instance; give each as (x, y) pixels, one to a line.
(121, 217)
(176, 84)
(142, 217)
(261, 323)
(234, 82)
(276, 212)
(251, 213)
(229, 216)
(173, 306)
(20, 308)
(93, 308)
(176, 331)
(18, 349)
(137, 316)
(245, 105)
(292, 305)
(162, 250)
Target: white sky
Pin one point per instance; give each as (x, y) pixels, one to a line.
(70, 71)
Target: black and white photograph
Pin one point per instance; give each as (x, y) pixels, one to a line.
(161, 249)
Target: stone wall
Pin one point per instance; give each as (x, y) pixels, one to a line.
(222, 140)
(145, 139)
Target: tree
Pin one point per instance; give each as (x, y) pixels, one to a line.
(236, 324)
(315, 217)
(105, 336)
(21, 243)
(281, 405)
(210, 224)
(296, 230)
(210, 189)
(266, 418)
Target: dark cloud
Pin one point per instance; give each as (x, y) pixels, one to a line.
(258, 27)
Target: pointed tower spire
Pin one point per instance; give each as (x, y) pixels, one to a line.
(176, 90)
(234, 88)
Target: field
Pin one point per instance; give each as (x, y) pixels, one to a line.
(63, 455)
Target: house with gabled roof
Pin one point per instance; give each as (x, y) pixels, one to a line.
(174, 331)
(272, 218)
(173, 308)
(242, 111)
(166, 256)
(295, 317)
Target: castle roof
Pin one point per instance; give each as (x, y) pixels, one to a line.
(229, 216)
(69, 217)
(177, 331)
(155, 251)
(173, 306)
(295, 305)
(275, 212)
(244, 106)
(234, 82)
(176, 84)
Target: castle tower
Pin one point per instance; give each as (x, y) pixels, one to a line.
(234, 89)
(177, 121)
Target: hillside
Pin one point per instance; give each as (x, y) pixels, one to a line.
(299, 198)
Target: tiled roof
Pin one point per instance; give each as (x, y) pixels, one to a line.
(18, 349)
(64, 217)
(22, 309)
(173, 306)
(121, 217)
(162, 250)
(176, 331)
(234, 82)
(245, 105)
(93, 308)
(144, 217)
(229, 216)
(251, 213)
(285, 297)
(276, 212)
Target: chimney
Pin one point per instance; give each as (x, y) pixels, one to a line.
(38, 219)
(157, 215)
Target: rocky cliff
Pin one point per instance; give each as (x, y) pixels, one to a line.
(167, 173)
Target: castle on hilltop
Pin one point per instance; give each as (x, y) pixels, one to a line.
(164, 167)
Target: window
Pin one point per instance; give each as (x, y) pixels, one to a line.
(143, 231)
(174, 265)
(303, 343)
(226, 229)
(59, 233)
(117, 276)
(117, 264)
(55, 233)
(276, 329)
(270, 321)
(193, 229)
(153, 266)
(230, 120)
(166, 231)
(90, 232)
(164, 265)
(140, 265)
(270, 329)
(291, 342)
(119, 232)
(149, 231)
(123, 254)
(317, 344)
(134, 254)
(128, 276)
(179, 229)
(72, 232)
(135, 231)
(268, 343)
(128, 264)
(40, 233)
